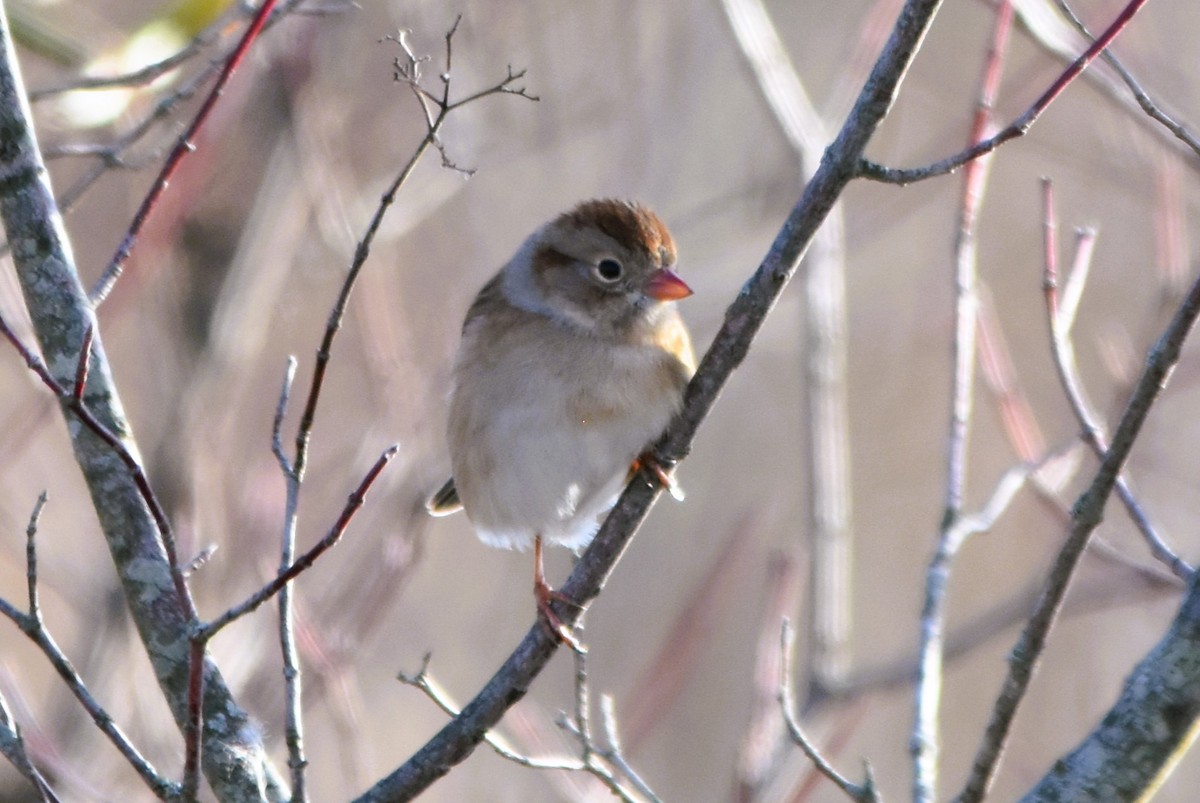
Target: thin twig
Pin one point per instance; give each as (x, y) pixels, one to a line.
(1178, 130)
(307, 559)
(1085, 517)
(193, 728)
(32, 626)
(592, 754)
(407, 71)
(203, 633)
(1059, 316)
(292, 674)
(285, 392)
(81, 410)
(115, 153)
(925, 741)
(84, 413)
(31, 567)
(185, 146)
(1072, 294)
(996, 367)
(615, 752)
(12, 747)
(1018, 128)
(426, 684)
(827, 455)
(1087, 597)
(138, 77)
(596, 757)
(762, 745)
(135, 527)
(864, 792)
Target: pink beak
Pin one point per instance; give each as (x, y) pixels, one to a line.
(665, 285)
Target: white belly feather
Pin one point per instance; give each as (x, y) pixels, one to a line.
(550, 433)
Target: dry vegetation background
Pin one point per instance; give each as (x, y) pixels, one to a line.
(646, 100)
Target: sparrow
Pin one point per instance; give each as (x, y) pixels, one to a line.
(573, 360)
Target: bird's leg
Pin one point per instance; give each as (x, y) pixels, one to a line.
(544, 594)
(650, 462)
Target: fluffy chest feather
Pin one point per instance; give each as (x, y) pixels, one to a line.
(545, 420)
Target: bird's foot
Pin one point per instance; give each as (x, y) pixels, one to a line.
(545, 595)
(649, 461)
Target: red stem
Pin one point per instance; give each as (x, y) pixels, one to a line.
(85, 357)
(182, 148)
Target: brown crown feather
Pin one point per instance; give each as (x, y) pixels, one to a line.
(625, 222)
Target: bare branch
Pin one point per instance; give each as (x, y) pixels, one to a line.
(827, 469)
(135, 529)
(407, 71)
(12, 747)
(32, 626)
(31, 570)
(615, 752)
(1152, 109)
(1018, 128)
(1059, 318)
(357, 498)
(1085, 517)
(285, 392)
(423, 681)
(1142, 737)
(193, 744)
(864, 792)
(596, 757)
(925, 742)
(139, 77)
(185, 146)
(77, 405)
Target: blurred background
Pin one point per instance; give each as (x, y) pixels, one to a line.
(240, 265)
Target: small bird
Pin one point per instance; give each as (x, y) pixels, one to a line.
(573, 359)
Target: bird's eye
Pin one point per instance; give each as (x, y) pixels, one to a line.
(608, 270)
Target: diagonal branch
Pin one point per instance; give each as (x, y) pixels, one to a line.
(743, 319)
(1060, 317)
(235, 760)
(1085, 517)
(1017, 128)
(185, 146)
